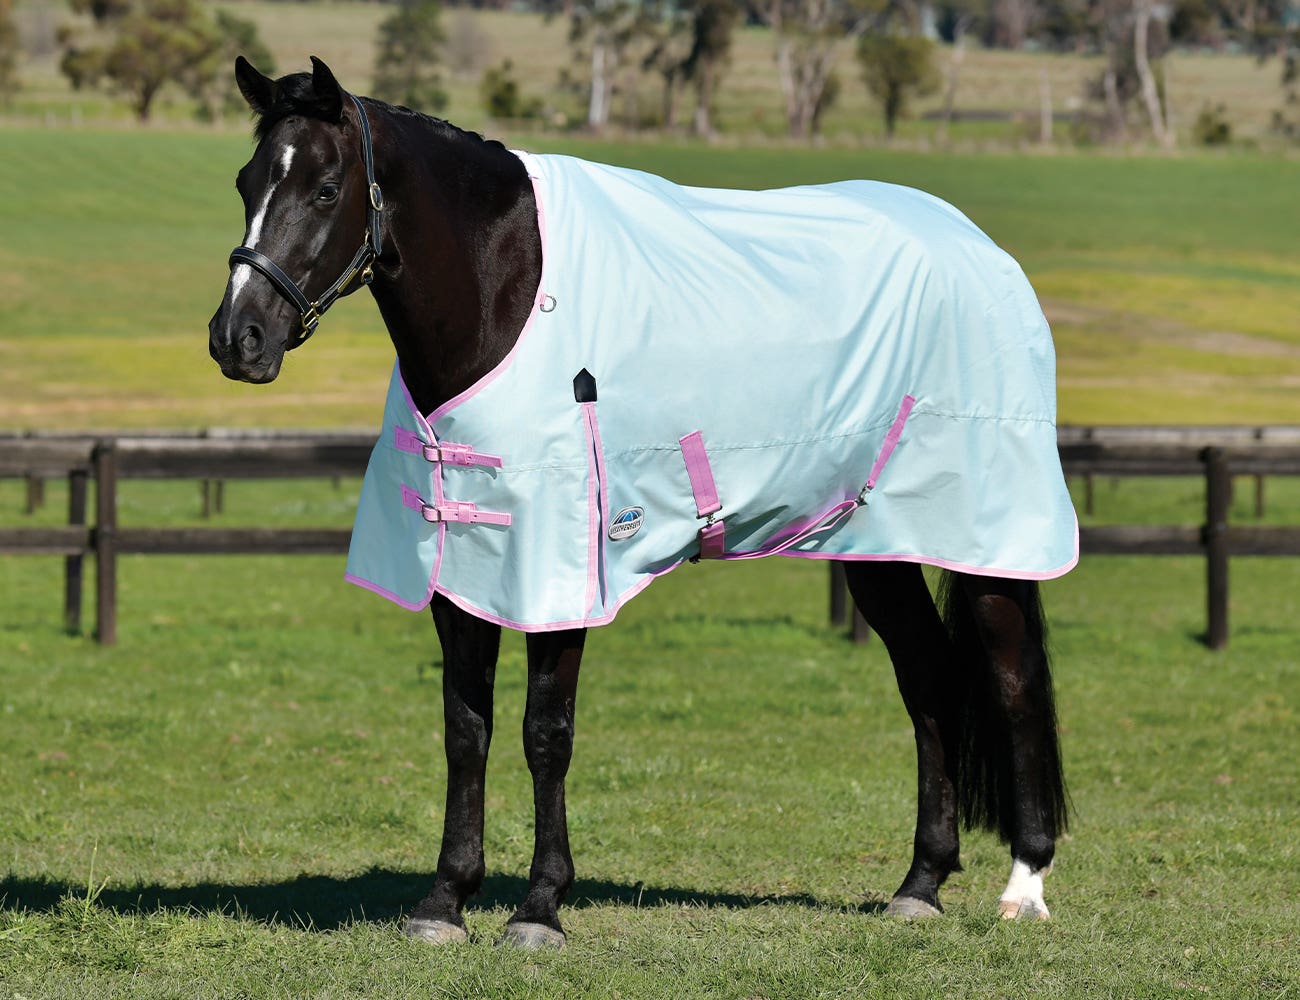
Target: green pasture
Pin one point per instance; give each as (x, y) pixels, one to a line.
(1172, 284)
(243, 797)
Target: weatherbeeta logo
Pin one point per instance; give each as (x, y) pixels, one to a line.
(626, 523)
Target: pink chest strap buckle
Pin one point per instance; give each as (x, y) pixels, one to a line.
(452, 511)
(444, 451)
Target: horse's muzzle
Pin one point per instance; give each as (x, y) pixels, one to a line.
(243, 350)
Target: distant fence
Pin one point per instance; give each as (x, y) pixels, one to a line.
(1215, 453)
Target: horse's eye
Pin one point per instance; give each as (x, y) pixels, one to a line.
(328, 192)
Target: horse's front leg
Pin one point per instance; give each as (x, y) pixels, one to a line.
(469, 659)
(553, 661)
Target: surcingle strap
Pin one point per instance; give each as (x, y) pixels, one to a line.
(707, 504)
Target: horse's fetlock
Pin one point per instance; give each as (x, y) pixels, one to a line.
(1036, 850)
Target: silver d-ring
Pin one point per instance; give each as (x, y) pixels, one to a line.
(376, 197)
(544, 307)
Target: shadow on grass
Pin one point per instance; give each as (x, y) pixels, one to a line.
(325, 903)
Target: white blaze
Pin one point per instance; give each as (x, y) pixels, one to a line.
(241, 273)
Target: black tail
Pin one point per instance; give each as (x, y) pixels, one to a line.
(985, 790)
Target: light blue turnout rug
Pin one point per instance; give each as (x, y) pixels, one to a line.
(849, 371)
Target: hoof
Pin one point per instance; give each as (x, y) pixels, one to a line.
(434, 931)
(531, 937)
(1023, 909)
(911, 908)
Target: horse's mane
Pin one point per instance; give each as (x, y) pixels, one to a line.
(294, 95)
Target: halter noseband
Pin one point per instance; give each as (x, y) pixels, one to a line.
(308, 311)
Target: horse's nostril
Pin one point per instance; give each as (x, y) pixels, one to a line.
(250, 344)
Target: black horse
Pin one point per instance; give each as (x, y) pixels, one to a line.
(442, 225)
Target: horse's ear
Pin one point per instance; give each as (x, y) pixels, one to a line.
(329, 94)
(258, 90)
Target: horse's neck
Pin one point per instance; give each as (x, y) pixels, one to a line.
(462, 257)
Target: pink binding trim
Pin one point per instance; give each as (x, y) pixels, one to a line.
(597, 504)
(829, 519)
(588, 622)
(491, 376)
(956, 567)
(891, 440)
(426, 428)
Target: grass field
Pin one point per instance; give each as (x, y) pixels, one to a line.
(1172, 285)
(242, 797)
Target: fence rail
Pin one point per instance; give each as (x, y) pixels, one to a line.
(1215, 453)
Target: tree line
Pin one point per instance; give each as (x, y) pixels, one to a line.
(135, 48)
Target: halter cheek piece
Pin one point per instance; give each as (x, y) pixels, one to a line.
(310, 312)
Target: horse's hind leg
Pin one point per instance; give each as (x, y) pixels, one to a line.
(553, 662)
(1014, 782)
(894, 599)
(469, 657)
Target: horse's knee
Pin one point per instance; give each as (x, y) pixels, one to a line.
(548, 743)
(467, 738)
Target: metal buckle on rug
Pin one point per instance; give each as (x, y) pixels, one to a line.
(457, 454)
(452, 511)
(712, 544)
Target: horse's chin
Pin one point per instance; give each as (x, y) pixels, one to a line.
(255, 374)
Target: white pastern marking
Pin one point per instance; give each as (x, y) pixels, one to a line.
(1023, 896)
(242, 272)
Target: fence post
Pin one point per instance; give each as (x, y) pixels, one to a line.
(839, 594)
(35, 492)
(72, 565)
(1218, 498)
(106, 543)
(841, 604)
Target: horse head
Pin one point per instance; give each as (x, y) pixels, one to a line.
(310, 201)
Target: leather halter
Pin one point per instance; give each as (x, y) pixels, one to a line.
(310, 312)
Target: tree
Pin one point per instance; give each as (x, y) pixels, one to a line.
(103, 11)
(9, 46)
(895, 68)
(216, 91)
(808, 33)
(502, 97)
(1271, 28)
(712, 24)
(154, 43)
(1156, 111)
(606, 32)
(409, 54)
(670, 46)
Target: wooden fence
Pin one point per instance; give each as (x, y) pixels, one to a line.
(1216, 453)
